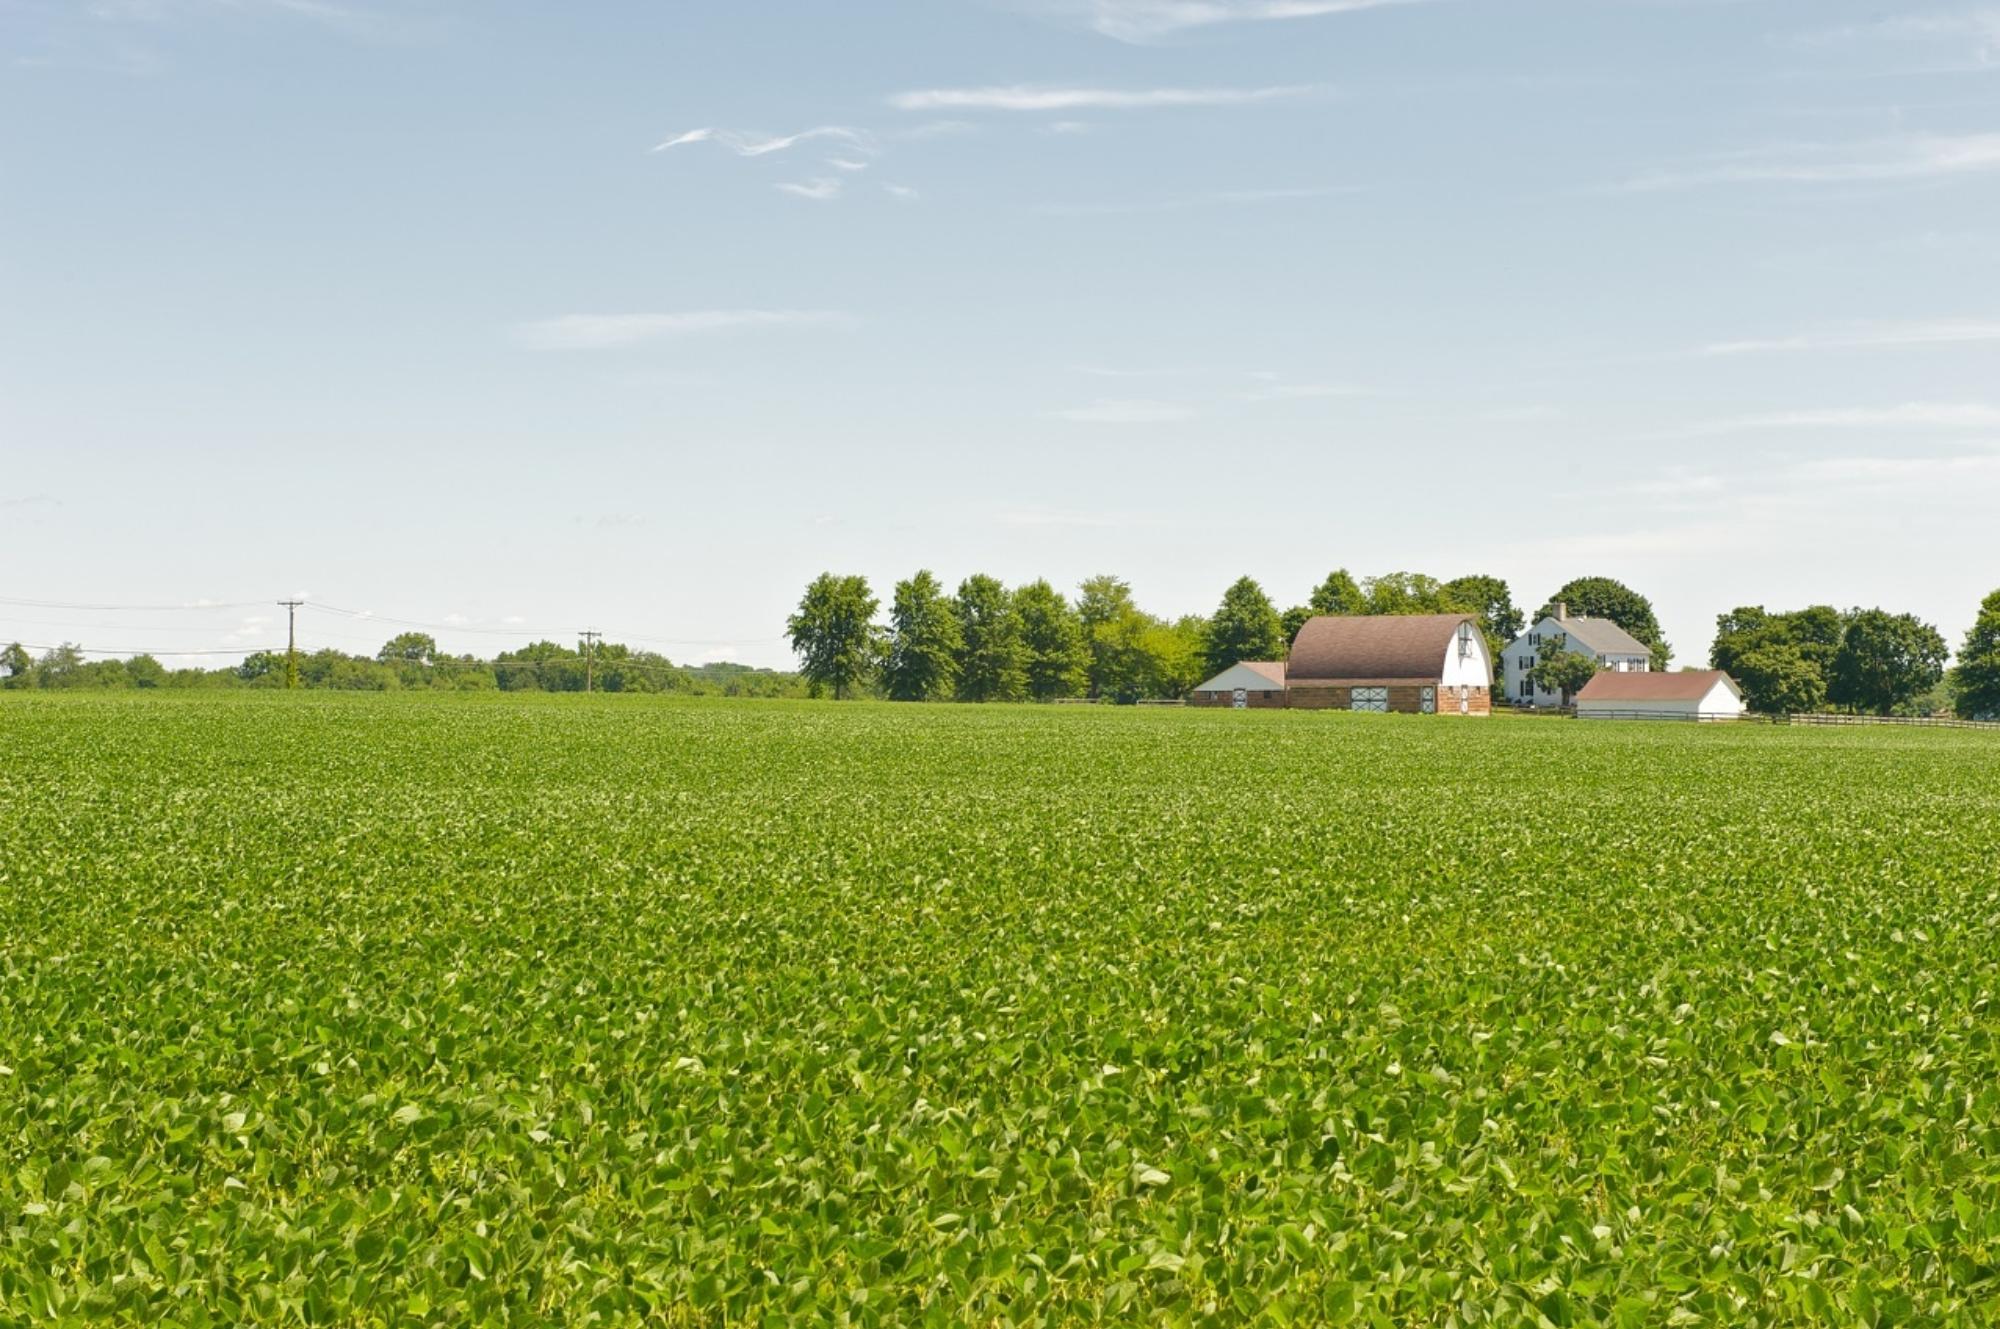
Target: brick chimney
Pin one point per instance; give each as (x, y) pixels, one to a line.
(1562, 611)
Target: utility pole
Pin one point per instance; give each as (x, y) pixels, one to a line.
(291, 641)
(590, 636)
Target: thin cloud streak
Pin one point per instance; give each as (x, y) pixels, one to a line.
(596, 332)
(1915, 157)
(819, 189)
(1216, 198)
(1924, 415)
(1024, 97)
(748, 144)
(1944, 332)
(1140, 21)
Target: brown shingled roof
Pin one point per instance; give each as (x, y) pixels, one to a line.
(1374, 646)
(1687, 685)
(1271, 669)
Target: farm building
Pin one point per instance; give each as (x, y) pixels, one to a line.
(1420, 663)
(1604, 641)
(1694, 694)
(1244, 684)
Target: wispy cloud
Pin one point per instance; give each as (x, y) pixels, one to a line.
(819, 189)
(1942, 332)
(846, 164)
(903, 192)
(596, 332)
(1969, 32)
(746, 143)
(1909, 415)
(1910, 157)
(1106, 411)
(1180, 203)
(1150, 20)
(1025, 97)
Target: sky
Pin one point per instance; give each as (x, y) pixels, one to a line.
(518, 318)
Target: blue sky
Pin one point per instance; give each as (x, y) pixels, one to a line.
(519, 316)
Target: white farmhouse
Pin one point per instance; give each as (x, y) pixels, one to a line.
(1611, 646)
(1692, 694)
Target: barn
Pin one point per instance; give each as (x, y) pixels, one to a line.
(1692, 694)
(1245, 684)
(1419, 663)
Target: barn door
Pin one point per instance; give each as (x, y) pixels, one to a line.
(1240, 699)
(1464, 699)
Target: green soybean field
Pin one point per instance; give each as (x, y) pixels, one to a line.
(609, 1010)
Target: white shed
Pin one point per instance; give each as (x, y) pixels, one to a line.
(1245, 683)
(1693, 694)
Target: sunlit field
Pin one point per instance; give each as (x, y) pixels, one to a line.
(411, 1010)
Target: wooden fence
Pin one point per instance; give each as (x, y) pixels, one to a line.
(1920, 721)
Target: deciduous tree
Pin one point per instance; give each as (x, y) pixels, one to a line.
(1052, 632)
(921, 659)
(833, 634)
(1884, 661)
(992, 660)
(1604, 597)
(1563, 671)
(1245, 627)
(1977, 677)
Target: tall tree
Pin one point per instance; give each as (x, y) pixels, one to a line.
(1338, 594)
(418, 648)
(921, 660)
(1604, 597)
(1404, 593)
(17, 662)
(992, 660)
(1978, 673)
(1104, 608)
(1052, 632)
(1884, 661)
(1778, 678)
(833, 633)
(1177, 655)
(1291, 621)
(1245, 627)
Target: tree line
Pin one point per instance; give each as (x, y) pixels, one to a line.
(987, 642)
(406, 662)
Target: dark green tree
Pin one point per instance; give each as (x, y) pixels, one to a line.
(920, 661)
(1104, 608)
(1245, 627)
(417, 648)
(1603, 597)
(1885, 660)
(1977, 678)
(1338, 594)
(17, 662)
(143, 671)
(1052, 632)
(1778, 678)
(992, 660)
(1404, 593)
(1292, 620)
(833, 634)
(1563, 671)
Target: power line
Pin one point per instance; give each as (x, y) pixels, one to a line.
(123, 652)
(526, 630)
(66, 604)
(291, 641)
